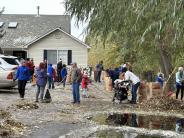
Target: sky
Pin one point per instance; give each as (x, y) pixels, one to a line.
(55, 7)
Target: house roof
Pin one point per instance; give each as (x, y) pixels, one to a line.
(30, 28)
(74, 38)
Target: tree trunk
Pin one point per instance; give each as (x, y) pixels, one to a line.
(165, 60)
(166, 67)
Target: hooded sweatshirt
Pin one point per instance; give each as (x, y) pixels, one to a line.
(41, 77)
(23, 73)
(50, 71)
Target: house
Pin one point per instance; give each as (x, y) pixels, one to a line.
(41, 37)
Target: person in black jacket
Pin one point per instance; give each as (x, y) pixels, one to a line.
(59, 68)
(99, 69)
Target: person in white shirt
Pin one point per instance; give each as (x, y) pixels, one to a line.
(129, 76)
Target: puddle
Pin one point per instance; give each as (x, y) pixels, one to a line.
(118, 134)
(152, 122)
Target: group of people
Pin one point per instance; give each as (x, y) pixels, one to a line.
(45, 75)
(126, 73)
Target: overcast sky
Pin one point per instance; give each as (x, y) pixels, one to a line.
(46, 7)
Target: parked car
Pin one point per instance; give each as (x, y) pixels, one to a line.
(8, 69)
(6, 78)
(9, 62)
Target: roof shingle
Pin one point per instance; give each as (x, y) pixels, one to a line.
(30, 27)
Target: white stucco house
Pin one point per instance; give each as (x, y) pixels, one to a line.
(43, 37)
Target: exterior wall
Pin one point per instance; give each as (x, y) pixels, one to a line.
(8, 52)
(59, 41)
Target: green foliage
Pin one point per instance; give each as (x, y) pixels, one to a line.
(147, 33)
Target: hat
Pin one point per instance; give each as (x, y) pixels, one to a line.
(23, 61)
(124, 65)
(124, 69)
(73, 63)
(180, 69)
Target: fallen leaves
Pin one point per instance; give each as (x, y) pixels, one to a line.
(8, 126)
(163, 103)
(27, 106)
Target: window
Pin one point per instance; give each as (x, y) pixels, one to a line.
(1, 24)
(12, 61)
(63, 55)
(12, 25)
(52, 56)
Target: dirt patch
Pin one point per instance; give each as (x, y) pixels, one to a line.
(27, 106)
(163, 103)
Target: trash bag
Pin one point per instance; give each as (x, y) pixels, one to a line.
(47, 97)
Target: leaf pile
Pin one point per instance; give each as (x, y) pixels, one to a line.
(8, 126)
(4, 133)
(163, 103)
(27, 106)
(4, 114)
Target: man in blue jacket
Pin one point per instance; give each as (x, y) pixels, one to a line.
(23, 75)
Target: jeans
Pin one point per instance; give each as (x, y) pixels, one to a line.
(51, 82)
(75, 91)
(179, 87)
(40, 91)
(98, 76)
(134, 91)
(21, 87)
(64, 82)
(59, 76)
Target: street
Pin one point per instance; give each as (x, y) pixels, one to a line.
(61, 118)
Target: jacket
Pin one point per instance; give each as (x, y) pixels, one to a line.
(85, 81)
(76, 75)
(50, 71)
(41, 77)
(63, 72)
(23, 73)
(179, 77)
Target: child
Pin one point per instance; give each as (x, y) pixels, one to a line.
(85, 81)
(64, 75)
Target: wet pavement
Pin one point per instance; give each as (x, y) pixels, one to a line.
(118, 134)
(62, 119)
(139, 121)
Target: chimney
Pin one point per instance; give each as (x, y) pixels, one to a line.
(38, 10)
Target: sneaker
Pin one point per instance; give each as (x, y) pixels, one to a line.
(22, 98)
(73, 102)
(132, 102)
(36, 101)
(42, 101)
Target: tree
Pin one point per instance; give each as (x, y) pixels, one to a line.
(146, 32)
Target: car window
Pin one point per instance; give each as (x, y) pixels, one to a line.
(11, 61)
(17, 60)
